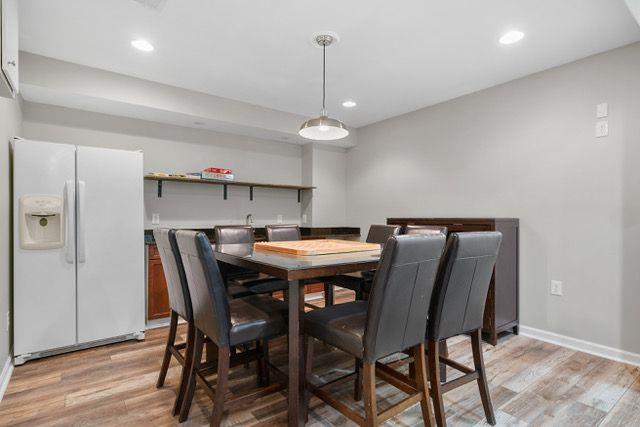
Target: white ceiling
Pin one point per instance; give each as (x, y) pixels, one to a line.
(393, 57)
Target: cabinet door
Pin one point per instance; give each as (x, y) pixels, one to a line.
(157, 293)
(10, 43)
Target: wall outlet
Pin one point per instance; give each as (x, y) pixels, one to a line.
(279, 219)
(304, 218)
(155, 219)
(556, 288)
(602, 110)
(602, 128)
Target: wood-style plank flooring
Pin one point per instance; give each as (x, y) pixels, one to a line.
(531, 382)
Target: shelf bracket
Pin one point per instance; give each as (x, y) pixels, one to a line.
(299, 195)
(251, 193)
(160, 188)
(224, 192)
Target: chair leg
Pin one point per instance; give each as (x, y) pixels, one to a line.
(369, 386)
(263, 357)
(188, 360)
(308, 369)
(476, 347)
(444, 351)
(357, 384)
(420, 376)
(198, 345)
(328, 295)
(171, 340)
(221, 387)
(434, 382)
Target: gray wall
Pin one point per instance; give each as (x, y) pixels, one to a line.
(527, 149)
(10, 126)
(177, 149)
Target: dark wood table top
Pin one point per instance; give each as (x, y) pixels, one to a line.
(295, 267)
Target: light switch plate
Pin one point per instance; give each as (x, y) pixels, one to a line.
(304, 218)
(602, 110)
(279, 219)
(155, 219)
(556, 288)
(602, 128)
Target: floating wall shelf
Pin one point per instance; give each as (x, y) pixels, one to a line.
(225, 184)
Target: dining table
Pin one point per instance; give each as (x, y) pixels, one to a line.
(296, 270)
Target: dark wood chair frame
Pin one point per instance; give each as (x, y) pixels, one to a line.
(221, 365)
(478, 373)
(173, 349)
(415, 386)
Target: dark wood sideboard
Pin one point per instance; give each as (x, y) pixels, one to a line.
(501, 311)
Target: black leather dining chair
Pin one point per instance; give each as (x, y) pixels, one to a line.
(227, 323)
(457, 307)
(235, 276)
(391, 321)
(180, 305)
(357, 282)
(282, 233)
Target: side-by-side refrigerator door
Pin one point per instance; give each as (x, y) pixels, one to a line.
(44, 271)
(110, 243)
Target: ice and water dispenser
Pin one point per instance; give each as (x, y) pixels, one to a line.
(41, 222)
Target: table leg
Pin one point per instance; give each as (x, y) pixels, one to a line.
(296, 361)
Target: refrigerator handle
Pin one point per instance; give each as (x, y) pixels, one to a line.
(82, 257)
(70, 209)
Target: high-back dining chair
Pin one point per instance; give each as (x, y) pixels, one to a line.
(391, 321)
(180, 304)
(282, 233)
(457, 307)
(227, 323)
(238, 279)
(357, 282)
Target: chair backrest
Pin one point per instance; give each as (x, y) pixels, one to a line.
(179, 297)
(424, 229)
(401, 294)
(282, 233)
(463, 281)
(381, 233)
(208, 293)
(231, 234)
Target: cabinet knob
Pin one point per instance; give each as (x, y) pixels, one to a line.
(11, 63)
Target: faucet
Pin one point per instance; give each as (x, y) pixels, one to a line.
(249, 219)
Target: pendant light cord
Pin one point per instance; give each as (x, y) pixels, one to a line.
(324, 68)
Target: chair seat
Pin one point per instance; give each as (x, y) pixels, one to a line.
(261, 285)
(256, 317)
(341, 326)
(347, 281)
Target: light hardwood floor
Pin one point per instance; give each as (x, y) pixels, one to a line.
(532, 383)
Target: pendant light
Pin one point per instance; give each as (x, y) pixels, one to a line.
(323, 128)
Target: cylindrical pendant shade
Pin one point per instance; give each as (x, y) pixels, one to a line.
(323, 129)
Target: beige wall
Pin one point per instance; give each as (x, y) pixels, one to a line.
(170, 148)
(10, 126)
(527, 149)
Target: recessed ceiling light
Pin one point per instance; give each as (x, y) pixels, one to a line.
(511, 37)
(349, 104)
(142, 45)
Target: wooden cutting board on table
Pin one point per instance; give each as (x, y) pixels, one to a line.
(316, 247)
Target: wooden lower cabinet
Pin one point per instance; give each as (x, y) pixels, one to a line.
(158, 295)
(501, 311)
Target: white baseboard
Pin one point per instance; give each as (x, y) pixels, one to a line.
(5, 376)
(582, 345)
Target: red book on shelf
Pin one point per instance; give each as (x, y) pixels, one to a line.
(218, 170)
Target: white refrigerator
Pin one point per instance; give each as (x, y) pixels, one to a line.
(78, 259)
